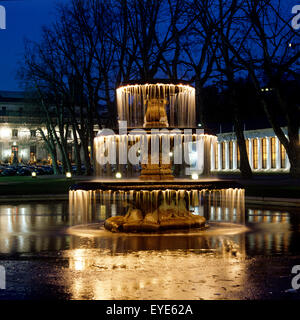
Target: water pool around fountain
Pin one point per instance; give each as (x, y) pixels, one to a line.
(46, 256)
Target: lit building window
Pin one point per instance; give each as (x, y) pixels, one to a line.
(230, 154)
(14, 133)
(247, 147)
(223, 155)
(273, 153)
(32, 154)
(283, 155)
(238, 157)
(255, 153)
(264, 153)
(216, 155)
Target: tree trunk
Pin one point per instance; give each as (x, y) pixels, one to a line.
(291, 145)
(55, 166)
(77, 152)
(50, 145)
(293, 152)
(199, 104)
(245, 168)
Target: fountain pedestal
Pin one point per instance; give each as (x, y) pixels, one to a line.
(156, 171)
(156, 117)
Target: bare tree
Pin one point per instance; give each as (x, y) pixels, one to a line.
(268, 59)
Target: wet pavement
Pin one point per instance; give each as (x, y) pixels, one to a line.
(43, 260)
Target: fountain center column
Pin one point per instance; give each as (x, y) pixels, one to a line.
(156, 117)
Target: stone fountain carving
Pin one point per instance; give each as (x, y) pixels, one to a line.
(165, 217)
(156, 115)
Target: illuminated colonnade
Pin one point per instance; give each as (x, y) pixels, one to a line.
(265, 152)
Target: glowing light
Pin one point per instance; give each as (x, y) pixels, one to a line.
(5, 133)
(171, 154)
(24, 133)
(33, 174)
(118, 175)
(68, 175)
(23, 153)
(195, 176)
(7, 153)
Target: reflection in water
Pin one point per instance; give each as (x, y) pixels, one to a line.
(41, 226)
(271, 231)
(177, 266)
(33, 226)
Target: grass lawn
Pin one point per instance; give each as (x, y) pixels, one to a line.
(30, 186)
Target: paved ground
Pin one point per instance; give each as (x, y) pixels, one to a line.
(91, 274)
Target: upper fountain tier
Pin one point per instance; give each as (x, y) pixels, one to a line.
(157, 104)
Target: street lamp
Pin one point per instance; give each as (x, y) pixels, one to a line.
(118, 175)
(68, 175)
(195, 176)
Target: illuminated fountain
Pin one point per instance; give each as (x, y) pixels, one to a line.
(157, 150)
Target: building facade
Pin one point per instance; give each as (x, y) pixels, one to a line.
(20, 139)
(265, 152)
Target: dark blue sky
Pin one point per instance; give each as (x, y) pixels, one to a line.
(24, 20)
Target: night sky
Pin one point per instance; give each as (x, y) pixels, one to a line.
(24, 20)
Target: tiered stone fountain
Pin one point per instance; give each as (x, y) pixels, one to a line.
(162, 193)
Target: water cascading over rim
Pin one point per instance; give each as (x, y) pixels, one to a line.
(159, 105)
(179, 100)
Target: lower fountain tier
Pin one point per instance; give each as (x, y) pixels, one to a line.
(144, 206)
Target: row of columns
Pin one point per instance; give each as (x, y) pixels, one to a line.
(251, 160)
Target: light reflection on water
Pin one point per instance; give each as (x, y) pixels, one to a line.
(41, 226)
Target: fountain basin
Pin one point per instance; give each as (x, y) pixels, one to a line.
(141, 206)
